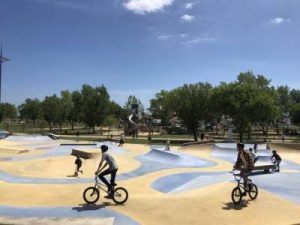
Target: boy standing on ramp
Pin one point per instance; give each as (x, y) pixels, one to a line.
(107, 160)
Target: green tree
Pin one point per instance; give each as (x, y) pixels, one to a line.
(247, 101)
(30, 110)
(76, 114)
(159, 107)
(8, 111)
(94, 105)
(191, 104)
(51, 107)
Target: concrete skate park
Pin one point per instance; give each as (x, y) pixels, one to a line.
(187, 185)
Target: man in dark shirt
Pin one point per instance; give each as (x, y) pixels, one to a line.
(276, 159)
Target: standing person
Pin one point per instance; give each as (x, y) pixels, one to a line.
(107, 160)
(253, 155)
(167, 145)
(202, 136)
(255, 148)
(276, 159)
(122, 140)
(244, 163)
(78, 163)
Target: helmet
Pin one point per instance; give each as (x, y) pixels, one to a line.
(104, 148)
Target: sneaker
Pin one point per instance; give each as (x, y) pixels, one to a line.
(109, 196)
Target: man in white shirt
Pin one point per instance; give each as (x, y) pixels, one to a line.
(107, 160)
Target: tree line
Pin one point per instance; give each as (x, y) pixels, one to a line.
(247, 101)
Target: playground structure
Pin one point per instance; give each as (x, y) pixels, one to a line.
(140, 122)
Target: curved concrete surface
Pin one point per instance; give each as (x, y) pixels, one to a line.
(156, 160)
(64, 212)
(181, 182)
(286, 185)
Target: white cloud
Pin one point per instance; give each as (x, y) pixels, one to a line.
(189, 5)
(183, 35)
(279, 20)
(187, 18)
(146, 6)
(163, 37)
(199, 40)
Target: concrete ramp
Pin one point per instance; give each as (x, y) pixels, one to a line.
(29, 138)
(159, 155)
(157, 160)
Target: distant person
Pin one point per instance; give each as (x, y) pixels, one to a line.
(202, 136)
(78, 163)
(276, 159)
(107, 160)
(253, 155)
(122, 140)
(255, 148)
(167, 145)
(244, 163)
(282, 138)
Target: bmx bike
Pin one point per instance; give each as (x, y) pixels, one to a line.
(240, 190)
(92, 194)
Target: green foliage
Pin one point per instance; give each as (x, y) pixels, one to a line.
(51, 107)
(159, 107)
(94, 105)
(7, 111)
(247, 101)
(31, 109)
(191, 104)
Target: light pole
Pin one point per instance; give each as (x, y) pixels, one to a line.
(2, 59)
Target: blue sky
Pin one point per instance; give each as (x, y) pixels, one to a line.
(142, 46)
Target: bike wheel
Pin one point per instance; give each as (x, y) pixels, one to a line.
(253, 191)
(91, 195)
(120, 195)
(236, 195)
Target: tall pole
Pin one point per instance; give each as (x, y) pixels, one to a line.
(2, 59)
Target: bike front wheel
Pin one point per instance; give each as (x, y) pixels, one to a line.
(253, 191)
(236, 195)
(120, 195)
(91, 195)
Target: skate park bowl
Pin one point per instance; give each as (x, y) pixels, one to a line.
(160, 183)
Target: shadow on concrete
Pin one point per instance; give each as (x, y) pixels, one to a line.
(89, 207)
(232, 206)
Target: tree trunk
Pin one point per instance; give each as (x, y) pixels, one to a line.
(195, 134)
(241, 136)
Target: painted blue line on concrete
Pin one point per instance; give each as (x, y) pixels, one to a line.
(100, 211)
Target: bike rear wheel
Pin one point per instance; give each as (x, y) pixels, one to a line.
(253, 191)
(236, 195)
(120, 195)
(91, 195)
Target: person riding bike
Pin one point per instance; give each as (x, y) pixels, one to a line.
(244, 163)
(107, 160)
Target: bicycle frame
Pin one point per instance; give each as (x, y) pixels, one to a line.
(100, 185)
(238, 178)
